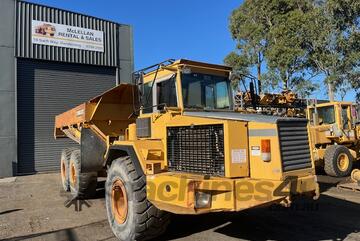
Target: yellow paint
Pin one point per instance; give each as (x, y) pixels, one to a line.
(260, 169)
(176, 192)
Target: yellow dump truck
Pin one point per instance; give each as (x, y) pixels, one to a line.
(171, 143)
(334, 136)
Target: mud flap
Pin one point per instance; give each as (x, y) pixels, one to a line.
(93, 149)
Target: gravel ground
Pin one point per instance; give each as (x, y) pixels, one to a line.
(32, 208)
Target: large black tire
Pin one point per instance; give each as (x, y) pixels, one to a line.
(82, 185)
(141, 220)
(332, 157)
(64, 168)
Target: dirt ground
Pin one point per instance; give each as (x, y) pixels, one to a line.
(32, 208)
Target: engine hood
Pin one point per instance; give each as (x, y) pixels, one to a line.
(232, 115)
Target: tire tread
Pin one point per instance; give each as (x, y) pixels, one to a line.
(330, 159)
(150, 222)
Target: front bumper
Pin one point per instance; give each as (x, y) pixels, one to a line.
(176, 193)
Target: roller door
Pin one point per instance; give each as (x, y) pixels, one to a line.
(45, 89)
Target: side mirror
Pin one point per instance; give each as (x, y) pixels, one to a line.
(161, 107)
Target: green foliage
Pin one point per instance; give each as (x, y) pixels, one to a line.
(240, 63)
(297, 40)
(333, 39)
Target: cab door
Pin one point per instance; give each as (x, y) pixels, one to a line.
(347, 122)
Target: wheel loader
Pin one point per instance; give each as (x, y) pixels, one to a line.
(334, 136)
(171, 143)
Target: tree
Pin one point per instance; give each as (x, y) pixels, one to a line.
(241, 64)
(285, 53)
(269, 37)
(343, 89)
(333, 39)
(294, 40)
(248, 26)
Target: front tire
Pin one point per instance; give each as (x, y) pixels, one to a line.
(131, 216)
(338, 161)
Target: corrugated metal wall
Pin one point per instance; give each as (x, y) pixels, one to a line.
(26, 12)
(44, 90)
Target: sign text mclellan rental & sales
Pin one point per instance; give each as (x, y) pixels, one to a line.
(52, 34)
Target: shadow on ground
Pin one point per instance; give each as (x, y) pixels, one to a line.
(327, 219)
(11, 211)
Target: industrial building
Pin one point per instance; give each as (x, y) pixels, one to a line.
(51, 60)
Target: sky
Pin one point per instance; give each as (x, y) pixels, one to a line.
(196, 30)
(190, 29)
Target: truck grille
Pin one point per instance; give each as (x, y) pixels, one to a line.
(196, 149)
(294, 145)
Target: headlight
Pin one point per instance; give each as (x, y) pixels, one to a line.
(202, 199)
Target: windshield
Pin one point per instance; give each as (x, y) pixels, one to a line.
(203, 91)
(326, 115)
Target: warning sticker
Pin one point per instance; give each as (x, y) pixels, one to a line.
(255, 151)
(238, 156)
(80, 112)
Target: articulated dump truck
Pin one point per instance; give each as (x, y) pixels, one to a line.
(172, 143)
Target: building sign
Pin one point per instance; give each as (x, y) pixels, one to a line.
(59, 35)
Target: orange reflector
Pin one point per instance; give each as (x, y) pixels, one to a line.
(265, 150)
(265, 145)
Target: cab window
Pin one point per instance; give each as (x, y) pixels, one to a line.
(344, 116)
(166, 93)
(147, 98)
(204, 91)
(326, 115)
(159, 94)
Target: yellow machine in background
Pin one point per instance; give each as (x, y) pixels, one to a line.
(334, 127)
(334, 136)
(172, 143)
(285, 103)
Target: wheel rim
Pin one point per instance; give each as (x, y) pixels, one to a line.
(119, 201)
(343, 162)
(73, 175)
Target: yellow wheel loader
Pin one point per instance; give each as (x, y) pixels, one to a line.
(172, 143)
(335, 131)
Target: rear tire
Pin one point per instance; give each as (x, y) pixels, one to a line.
(338, 161)
(82, 185)
(64, 168)
(131, 216)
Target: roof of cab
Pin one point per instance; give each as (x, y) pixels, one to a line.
(198, 63)
(173, 63)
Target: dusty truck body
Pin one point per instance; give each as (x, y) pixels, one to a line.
(334, 130)
(171, 143)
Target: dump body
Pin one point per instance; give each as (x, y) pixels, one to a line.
(108, 114)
